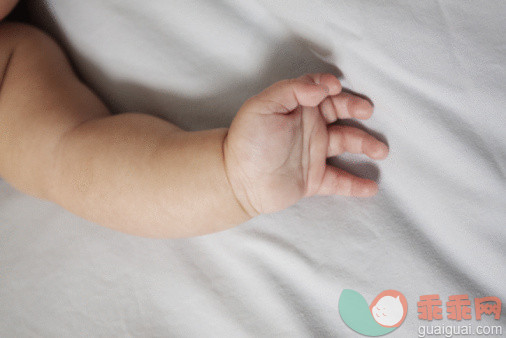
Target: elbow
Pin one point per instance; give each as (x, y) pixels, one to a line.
(6, 7)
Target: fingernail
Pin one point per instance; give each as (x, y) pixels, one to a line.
(370, 190)
(380, 151)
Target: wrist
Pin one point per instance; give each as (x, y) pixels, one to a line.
(234, 181)
(238, 213)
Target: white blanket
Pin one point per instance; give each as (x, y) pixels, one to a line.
(436, 72)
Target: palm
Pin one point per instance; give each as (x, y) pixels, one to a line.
(282, 155)
(275, 159)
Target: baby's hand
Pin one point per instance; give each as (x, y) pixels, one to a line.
(277, 146)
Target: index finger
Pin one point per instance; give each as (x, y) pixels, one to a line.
(345, 106)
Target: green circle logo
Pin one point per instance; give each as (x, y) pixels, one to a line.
(386, 312)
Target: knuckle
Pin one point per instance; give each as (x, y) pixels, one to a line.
(305, 78)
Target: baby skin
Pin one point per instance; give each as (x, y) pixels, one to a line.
(142, 175)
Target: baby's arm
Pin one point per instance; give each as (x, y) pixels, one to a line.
(131, 172)
(142, 175)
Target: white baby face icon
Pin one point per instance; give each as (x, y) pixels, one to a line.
(388, 311)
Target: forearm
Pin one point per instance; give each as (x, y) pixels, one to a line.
(141, 175)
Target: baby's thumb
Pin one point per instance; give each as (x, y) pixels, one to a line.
(284, 96)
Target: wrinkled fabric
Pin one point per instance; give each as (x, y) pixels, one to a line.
(436, 72)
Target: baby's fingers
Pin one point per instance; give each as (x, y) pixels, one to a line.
(345, 106)
(339, 182)
(284, 96)
(353, 140)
